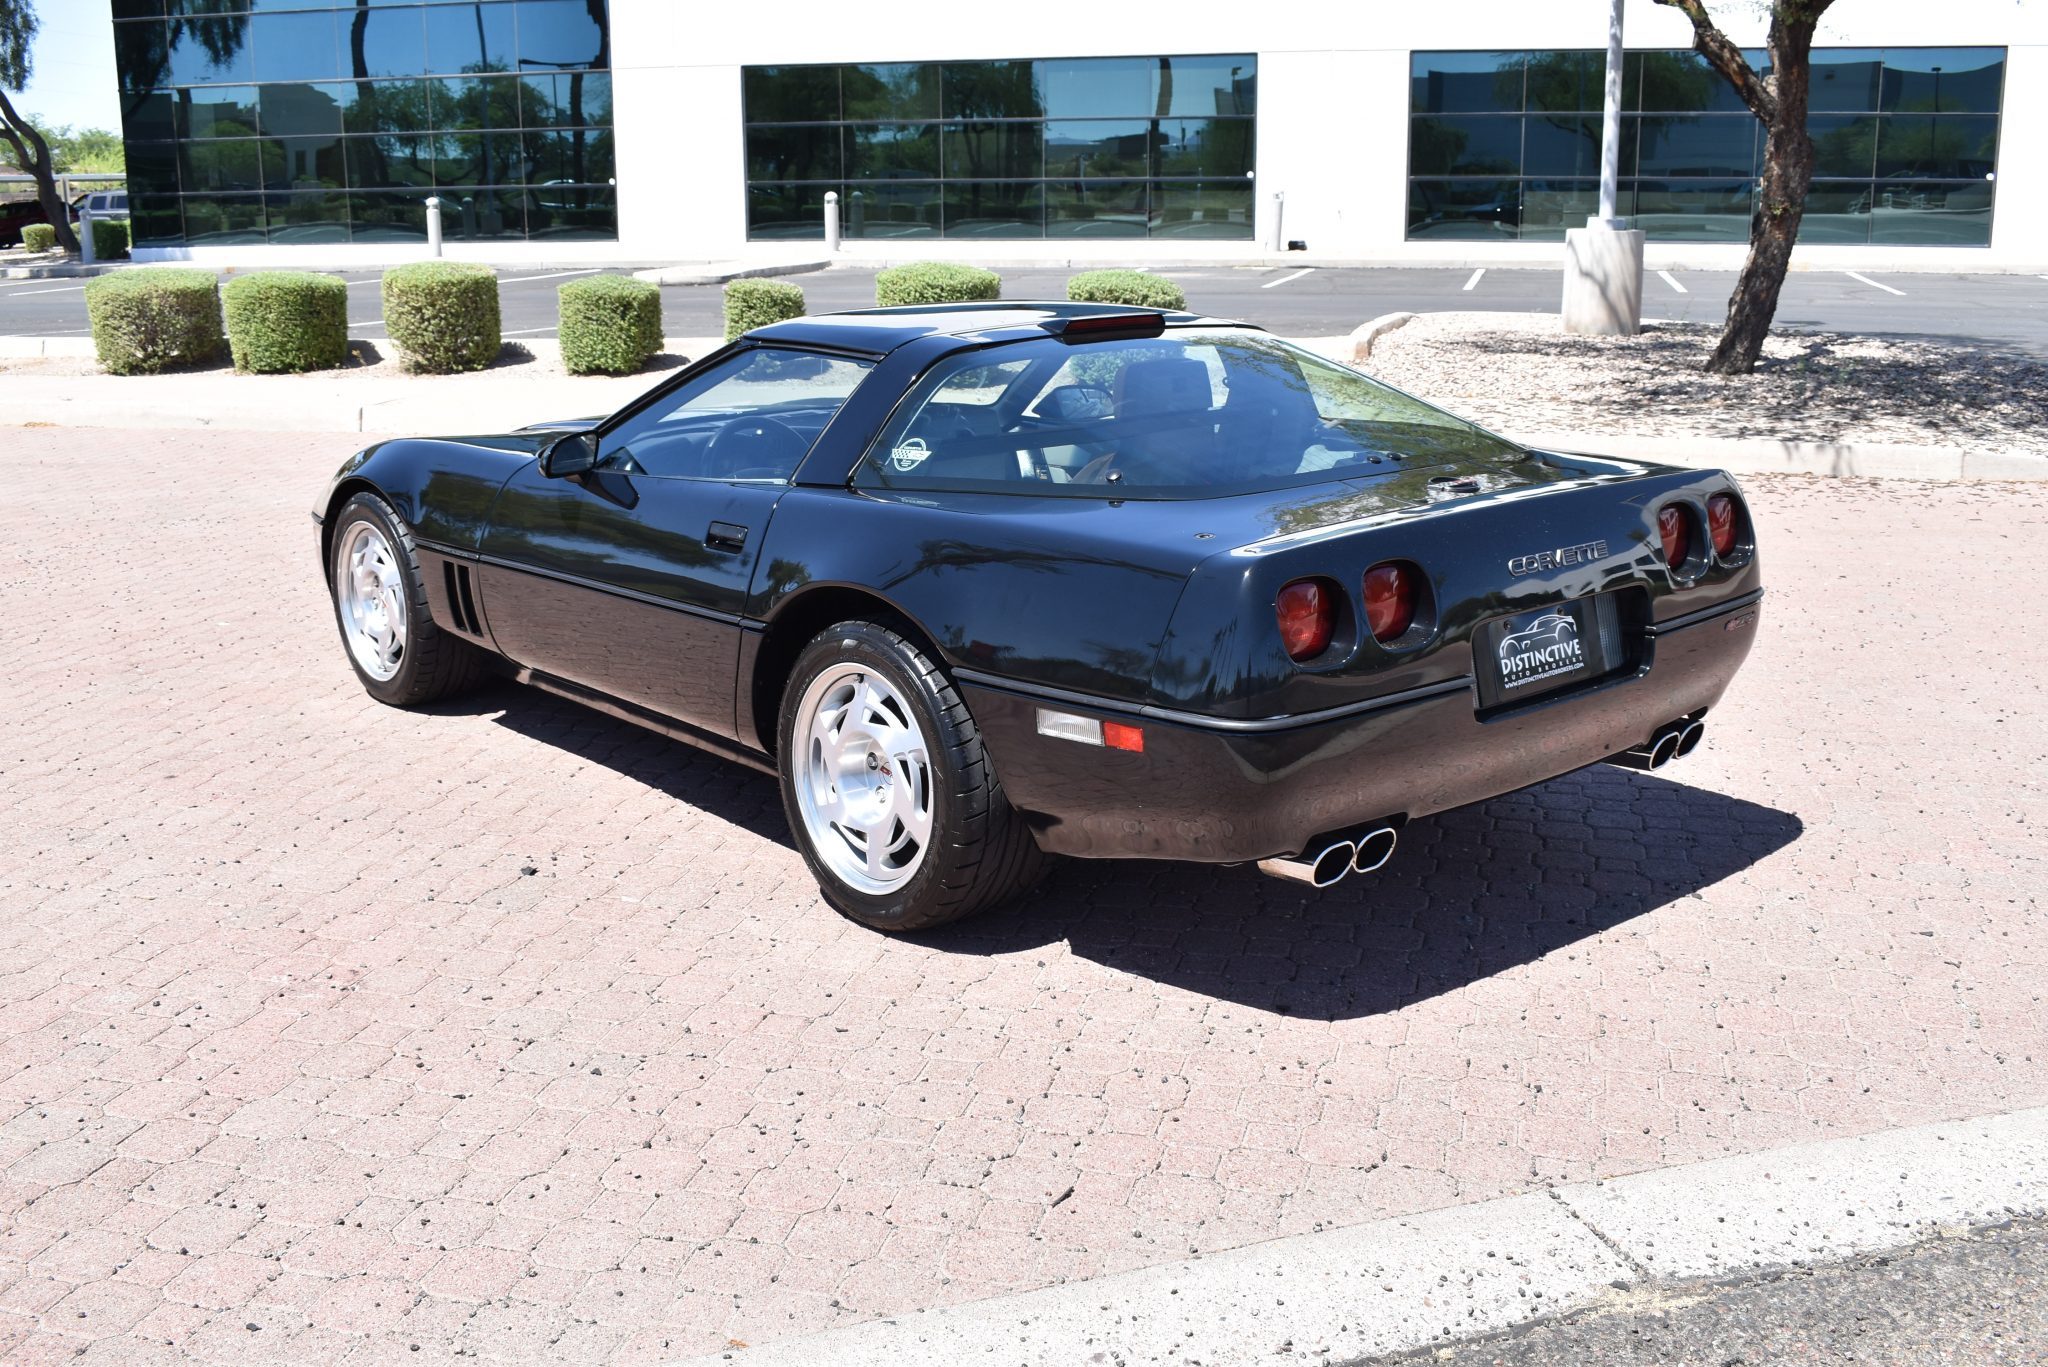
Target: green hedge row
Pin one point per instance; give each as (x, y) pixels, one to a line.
(148, 320)
(109, 238)
(751, 304)
(611, 324)
(286, 321)
(443, 315)
(935, 282)
(39, 237)
(1126, 287)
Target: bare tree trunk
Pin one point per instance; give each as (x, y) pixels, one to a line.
(34, 155)
(1780, 206)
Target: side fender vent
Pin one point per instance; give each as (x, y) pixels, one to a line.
(461, 598)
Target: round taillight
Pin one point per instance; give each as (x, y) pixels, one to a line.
(1307, 613)
(1676, 528)
(1721, 524)
(1390, 599)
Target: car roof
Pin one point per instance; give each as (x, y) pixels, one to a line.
(880, 331)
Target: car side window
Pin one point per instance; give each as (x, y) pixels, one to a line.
(753, 416)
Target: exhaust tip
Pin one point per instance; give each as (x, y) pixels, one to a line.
(1689, 739)
(1333, 863)
(1374, 849)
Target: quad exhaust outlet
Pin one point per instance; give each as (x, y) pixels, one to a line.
(1673, 740)
(1325, 865)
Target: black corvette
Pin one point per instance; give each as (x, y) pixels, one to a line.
(985, 582)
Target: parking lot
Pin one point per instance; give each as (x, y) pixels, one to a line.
(507, 1030)
(2002, 310)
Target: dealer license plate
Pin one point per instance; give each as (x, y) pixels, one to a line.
(1528, 654)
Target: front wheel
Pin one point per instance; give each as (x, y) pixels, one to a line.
(888, 789)
(380, 604)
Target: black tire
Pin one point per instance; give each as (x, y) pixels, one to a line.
(434, 663)
(980, 853)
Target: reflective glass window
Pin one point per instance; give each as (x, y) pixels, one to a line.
(1097, 87)
(152, 168)
(1694, 210)
(1937, 146)
(795, 152)
(1932, 213)
(208, 51)
(903, 90)
(1464, 208)
(1843, 80)
(308, 217)
(1465, 145)
(1098, 148)
(149, 115)
(472, 213)
(1107, 209)
(155, 220)
(565, 99)
(992, 90)
(1550, 207)
(1196, 87)
(995, 151)
(1204, 147)
(142, 55)
(474, 102)
(221, 112)
(304, 110)
(387, 216)
(470, 38)
(994, 209)
(1201, 209)
(486, 156)
(220, 220)
(1466, 82)
(573, 213)
(390, 159)
(295, 46)
(304, 163)
(1570, 144)
(1565, 82)
(560, 33)
(1684, 83)
(890, 208)
(383, 42)
(1696, 145)
(892, 151)
(1837, 211)
(138, 9)
(581, 156)
(386, 106)
(790, 94)
(1943, 80)
(222, 165)
(786, 211)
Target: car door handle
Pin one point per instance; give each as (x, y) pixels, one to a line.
(726, 536)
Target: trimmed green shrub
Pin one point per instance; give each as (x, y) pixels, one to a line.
(1125, 287)
(109, 238)
(39, 237)
(443, 315)
(611, 324)
(935, 282)
(751, 304)
(144, 321)
(286, 321)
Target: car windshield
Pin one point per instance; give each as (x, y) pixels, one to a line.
(1186, 415)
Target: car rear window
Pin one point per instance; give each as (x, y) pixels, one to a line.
(1186, 415)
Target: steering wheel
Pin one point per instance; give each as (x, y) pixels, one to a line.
(745, 446)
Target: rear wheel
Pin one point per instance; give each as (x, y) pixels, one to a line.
(886, 784)
(380, 604)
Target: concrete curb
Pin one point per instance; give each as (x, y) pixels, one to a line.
(65, 269)
(719, 272)
(1365, 334)
(1422, 1281)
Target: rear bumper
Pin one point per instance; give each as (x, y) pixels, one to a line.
(1220, 792)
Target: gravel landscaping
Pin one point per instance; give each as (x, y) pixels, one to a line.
(1521, 373)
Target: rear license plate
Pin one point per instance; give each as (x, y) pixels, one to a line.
(1528, 654)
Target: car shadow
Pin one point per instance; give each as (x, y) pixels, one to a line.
(1467, 895)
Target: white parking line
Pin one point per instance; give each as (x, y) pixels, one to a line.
(551, 275)
(373, 323)
(59, 289)
(1475, 277)
(1874, 284)
(1672, 281)
(514, 332)
(1285, 278)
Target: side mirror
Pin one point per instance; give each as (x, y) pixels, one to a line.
(573, 453)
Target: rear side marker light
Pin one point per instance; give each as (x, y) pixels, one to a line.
(1673, 528)
(1721, 524)
(1114, 735)
(1390, 600)
(1307, 613)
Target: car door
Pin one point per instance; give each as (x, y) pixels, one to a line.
(631, 578)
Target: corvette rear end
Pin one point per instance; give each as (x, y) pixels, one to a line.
(1387, 657)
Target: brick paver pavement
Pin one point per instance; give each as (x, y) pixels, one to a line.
(508, 1031)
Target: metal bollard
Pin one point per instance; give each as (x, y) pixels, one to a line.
(1278, 243)
(85, 251)
(831, 220)
(434, 225)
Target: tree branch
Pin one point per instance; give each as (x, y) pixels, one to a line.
(1726, 58)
